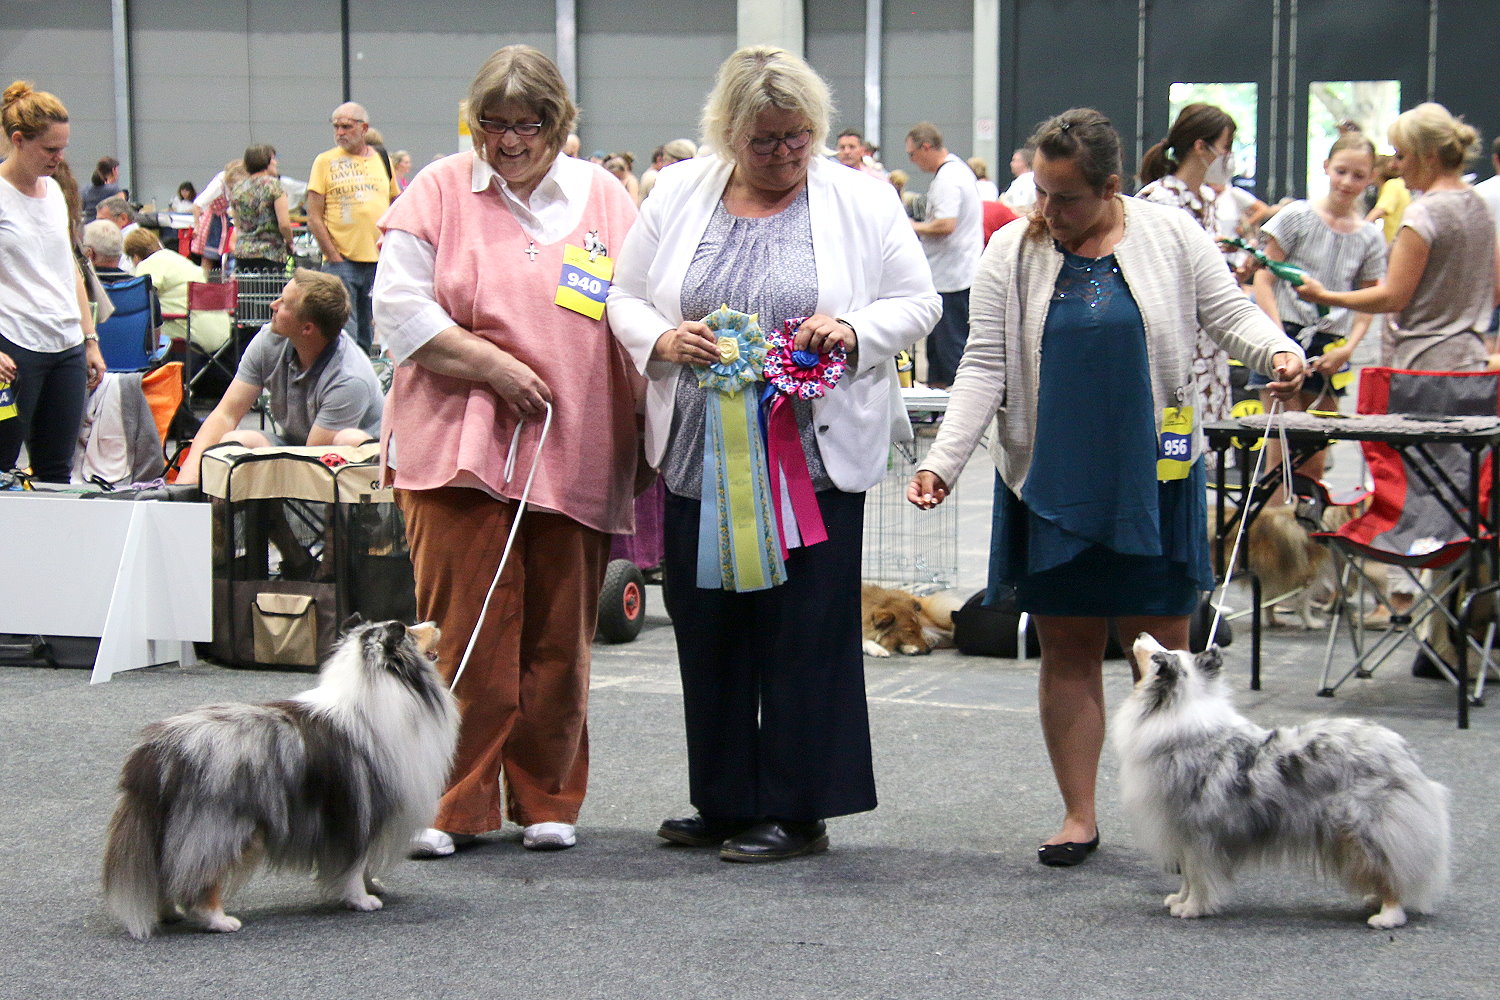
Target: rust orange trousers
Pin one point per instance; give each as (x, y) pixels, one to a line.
(523, 697)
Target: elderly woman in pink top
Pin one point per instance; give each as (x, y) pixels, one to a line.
(490, 297)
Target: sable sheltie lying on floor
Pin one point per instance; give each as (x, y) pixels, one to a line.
(1283, 554)
(1209, 791)
(894, 621)
(336, 780)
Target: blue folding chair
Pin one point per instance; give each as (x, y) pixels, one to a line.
(131, 339)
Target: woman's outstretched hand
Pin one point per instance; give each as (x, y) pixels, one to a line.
(926, 490)
(1288, 375)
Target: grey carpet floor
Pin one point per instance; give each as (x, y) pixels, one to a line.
(934, 894)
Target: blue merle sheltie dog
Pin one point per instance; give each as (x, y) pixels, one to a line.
(336, 781)
(1208, 792)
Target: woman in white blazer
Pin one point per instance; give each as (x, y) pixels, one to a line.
(773, 678)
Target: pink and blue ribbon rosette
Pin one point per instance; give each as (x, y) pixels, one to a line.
(792, 375)
(803, 374)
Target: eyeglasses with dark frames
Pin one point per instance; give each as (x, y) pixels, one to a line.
(525, 131)
(793, 141)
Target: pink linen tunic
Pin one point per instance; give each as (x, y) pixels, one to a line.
(453, 431)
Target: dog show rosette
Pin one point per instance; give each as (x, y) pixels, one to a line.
(737, 547)
(793, 375)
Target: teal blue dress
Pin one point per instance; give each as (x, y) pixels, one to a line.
(1094, 533)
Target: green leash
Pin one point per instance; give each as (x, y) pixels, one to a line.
(1290, 273)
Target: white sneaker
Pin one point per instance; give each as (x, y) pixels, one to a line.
(549, 837)
(432, 844)
(437, 844)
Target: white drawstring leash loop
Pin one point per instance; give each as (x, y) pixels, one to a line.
(510, 465)
(1286, 485)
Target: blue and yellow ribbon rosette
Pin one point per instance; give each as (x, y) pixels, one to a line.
(738, 547)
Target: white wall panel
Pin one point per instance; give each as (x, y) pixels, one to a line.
(211, 79)
(411, 63)
(835, 47)
(644, 70)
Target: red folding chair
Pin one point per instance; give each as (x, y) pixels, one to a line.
(1419, 519)
(209, 347)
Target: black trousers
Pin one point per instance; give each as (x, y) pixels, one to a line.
(773, 681)
(945, 344)
(51, 391)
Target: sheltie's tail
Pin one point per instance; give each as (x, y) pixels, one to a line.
(132, 870)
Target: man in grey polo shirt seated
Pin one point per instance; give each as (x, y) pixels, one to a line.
(323, 388)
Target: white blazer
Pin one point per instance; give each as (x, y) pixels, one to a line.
(871, 273)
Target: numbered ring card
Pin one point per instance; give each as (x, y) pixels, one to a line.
(584, 282)
(1175, 443)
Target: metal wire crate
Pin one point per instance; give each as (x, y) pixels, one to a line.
(257, 290)
(904, 547)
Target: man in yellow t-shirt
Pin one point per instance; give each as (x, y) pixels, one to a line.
(350, 188)
(1390, 206)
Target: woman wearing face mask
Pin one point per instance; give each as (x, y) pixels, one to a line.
(1178, 171)
(1327, 237)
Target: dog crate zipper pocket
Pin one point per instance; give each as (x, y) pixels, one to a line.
(286, 629)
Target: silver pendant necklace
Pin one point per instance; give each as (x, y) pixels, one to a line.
(531, 251)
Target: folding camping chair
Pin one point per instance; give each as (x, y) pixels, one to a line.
(175, 422)
(1420, 520)
(130, 339)
(252, 310)
(210, 335)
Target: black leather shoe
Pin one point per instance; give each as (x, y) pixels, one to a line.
(1067, 855)
(698, 830)
(776, 840)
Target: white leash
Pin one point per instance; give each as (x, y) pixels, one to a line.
(510, 467)
(1286, 492)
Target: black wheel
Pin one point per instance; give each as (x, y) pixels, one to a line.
(622, 602)
(41, 649)
(1250, 407)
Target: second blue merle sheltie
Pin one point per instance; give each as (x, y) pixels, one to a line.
(1209, 792)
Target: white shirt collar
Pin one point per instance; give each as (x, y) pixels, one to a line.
(555, 205)
(567, 175)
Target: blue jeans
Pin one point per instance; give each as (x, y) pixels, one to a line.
(359, 278)
(50, 390)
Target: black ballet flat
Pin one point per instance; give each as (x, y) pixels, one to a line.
(1067, 855)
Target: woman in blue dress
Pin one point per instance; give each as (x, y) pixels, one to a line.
(1084, 318)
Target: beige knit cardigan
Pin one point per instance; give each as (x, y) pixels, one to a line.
(1178, 279)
